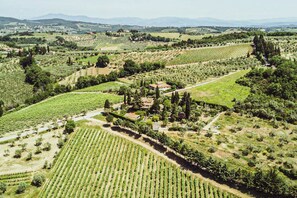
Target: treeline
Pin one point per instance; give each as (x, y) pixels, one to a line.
(264, 50)
(274, 91)
(268, 181)
(43, 85)
(281, 34)
(36, 50)
(60, 41)
(138, 36)
(214, 39)
(13, 41)
(129, 68)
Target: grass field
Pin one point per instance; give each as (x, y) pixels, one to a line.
(53, 108)
(114, 86)
(213, 53)
(98, 164)
(222, 91)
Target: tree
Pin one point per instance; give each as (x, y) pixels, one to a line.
(102, 61)
(131, 67)
(69, 127)
(3, 188)
(125, 98)
(188, 107)
(18, 154)
(157, 92)
(109, 118)
(1, 108)
(129, 98)
(107, 104)
(69, 61)
(38, 180)
(21, 188)
(27, 61)
(29, 156)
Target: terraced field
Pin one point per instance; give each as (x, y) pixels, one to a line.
(98, 164)
(214, 53)
(16, 178)
(57, 107)
(195, 73)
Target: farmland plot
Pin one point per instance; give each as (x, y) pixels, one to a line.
(57, 107)
(97, 164)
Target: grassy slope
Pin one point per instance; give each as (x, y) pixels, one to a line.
(103, 87)
(53, 108)
(115, 167)
(208, 54)
(222, 91)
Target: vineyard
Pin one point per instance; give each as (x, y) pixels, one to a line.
(54, 108)
(91, 71)
(114, 167)
(194, 73)
(15, 178)
(223, 91)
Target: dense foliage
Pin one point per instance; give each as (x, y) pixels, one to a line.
(137, 36)
(273, 91)
(265, 50)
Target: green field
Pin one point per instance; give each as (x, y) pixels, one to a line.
(222, 91)
(98, 164)
(53, 108)
(213, 53)
(114, 86)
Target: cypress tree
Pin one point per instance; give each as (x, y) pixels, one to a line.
(129, 98)
(1, 108)
(157, 92)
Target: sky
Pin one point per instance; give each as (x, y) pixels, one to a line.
(220, 9)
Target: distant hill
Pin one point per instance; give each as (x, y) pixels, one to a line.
(175, 21)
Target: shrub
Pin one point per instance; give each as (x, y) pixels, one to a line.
(47, 146)
(29, 156)
(18, 154)
(236, 155)
(2, 188)
(21, 188)
(38, 180)
(69, 127)
(245, 152)
(60, 143)
(212, 149)
(251, 163)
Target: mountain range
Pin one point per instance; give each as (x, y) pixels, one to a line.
(175, 21)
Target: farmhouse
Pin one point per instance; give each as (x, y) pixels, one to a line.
(162, 86)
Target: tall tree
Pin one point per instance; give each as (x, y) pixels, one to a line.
(1, 108)
(157, 92)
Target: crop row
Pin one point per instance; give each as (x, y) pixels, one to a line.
(97, 164)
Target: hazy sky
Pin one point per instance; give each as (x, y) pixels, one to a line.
(221, 9)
